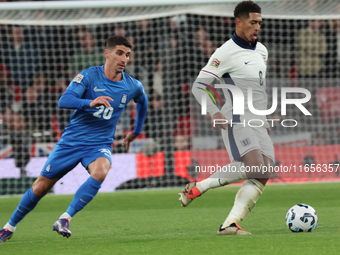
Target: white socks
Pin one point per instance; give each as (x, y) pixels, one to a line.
(10, 227)
(245, 201)
(246, 197)
(65, 215)
(230, 173)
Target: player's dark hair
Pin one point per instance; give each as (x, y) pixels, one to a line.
(115, 40)
(243, 9)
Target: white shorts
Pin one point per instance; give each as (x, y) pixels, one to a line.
(239, 140)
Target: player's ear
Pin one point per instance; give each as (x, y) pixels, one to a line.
(238, 22)
(106, 53)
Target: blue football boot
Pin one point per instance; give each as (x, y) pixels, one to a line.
(5, 234)
(61, 226)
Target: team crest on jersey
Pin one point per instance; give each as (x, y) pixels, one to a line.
(123, 101)
(78, 78)
(215, 63)
(265, 59)
(124, 98)
(245, 142)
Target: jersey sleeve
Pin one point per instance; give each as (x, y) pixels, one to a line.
(199, 89)
(139, 98)
(79, 83)
(71, 100)
(142, 107)
(219, 63)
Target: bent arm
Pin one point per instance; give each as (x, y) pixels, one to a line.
(71, 100)
(197, 91)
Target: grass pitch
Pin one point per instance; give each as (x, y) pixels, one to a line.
(153, 222)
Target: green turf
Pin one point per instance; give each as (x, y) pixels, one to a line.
(152, 222)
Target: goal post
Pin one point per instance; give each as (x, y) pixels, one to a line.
(44, 45)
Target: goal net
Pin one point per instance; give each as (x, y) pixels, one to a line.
(44, 45)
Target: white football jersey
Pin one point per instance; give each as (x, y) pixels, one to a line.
(238, 63)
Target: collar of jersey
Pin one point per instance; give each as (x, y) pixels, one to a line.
(243, 43)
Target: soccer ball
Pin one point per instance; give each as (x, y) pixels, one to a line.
(301, 218)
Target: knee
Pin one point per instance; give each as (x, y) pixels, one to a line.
(258, 171)
(99, 168)
(39, 188)
(100, 173)
(265, 173)
(262, 180)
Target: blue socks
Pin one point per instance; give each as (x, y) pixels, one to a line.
(84, 195)
(26, 204)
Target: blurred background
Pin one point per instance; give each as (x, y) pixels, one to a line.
(43, 48)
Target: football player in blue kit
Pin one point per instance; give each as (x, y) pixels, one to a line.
(99, 95)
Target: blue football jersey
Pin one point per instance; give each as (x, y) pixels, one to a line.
(93, 126)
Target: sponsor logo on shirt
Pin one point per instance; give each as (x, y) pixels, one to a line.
(97, 90)
(78, 78)
(215, 63)
(265, 59)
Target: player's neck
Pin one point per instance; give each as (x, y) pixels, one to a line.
(243, 43)
(112, 75)
(242, 37)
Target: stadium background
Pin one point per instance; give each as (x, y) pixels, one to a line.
(43, 49)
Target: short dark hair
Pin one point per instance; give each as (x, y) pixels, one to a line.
(244, 8)
(115, 40)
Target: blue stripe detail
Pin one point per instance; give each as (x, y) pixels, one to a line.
(234, 150)
(243, 43)
(236, 117)
(230, 80)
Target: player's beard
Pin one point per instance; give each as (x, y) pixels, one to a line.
(119, 71)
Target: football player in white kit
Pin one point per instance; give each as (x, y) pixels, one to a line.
(244, 61)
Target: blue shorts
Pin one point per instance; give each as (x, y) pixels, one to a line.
(64, 158)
